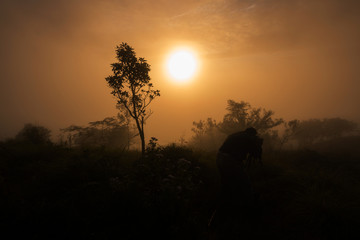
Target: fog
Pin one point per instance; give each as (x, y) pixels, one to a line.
(299, 58)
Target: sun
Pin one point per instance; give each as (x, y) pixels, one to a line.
(181, 65)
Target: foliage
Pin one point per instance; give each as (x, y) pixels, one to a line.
(209, 135)
(290, 129)
(241, 116)
(308, 132)
(131, 86)
(171, 191)
(111, 132)
(153, 146)
(170, 194)
(34, 134)
(277, 133)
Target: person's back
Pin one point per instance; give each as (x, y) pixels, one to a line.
(236, 199)
(235, 184)
(255, 152)
(235, 145)
(236, 196)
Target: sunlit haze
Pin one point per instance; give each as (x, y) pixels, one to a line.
(181, 65)
(298, 58)
(180, 119)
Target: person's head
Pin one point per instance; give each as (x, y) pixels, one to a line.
(251, 131)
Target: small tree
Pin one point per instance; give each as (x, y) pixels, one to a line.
(312, 131)
(131, 86)
(34, 134)
(242, 115)
(291, 128)
(111, 132)
(207, 135)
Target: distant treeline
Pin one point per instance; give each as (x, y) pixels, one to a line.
(88, 185)
(209, 134)
(111, 132)
(120, 133)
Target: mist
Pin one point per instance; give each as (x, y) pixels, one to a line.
(298, 58)
(261, 142)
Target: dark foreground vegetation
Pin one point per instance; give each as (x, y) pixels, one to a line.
(57, 192)
(91, 185)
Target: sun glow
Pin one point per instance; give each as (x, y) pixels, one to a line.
(181, 65)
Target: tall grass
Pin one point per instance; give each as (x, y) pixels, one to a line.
(51, 192)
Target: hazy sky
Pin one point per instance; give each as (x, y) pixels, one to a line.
(300, 58)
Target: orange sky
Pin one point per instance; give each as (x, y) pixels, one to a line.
(299, 58)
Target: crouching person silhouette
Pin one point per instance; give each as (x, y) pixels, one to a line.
(255, 152)
(235, 214)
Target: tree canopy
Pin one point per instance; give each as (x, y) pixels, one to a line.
(210, 134)
(131, 86)
(112, 132)
(242, 115)
(308, 132)
(34, 134)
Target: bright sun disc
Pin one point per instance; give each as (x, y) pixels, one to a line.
(181, 65)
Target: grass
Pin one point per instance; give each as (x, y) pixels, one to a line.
(50, 192)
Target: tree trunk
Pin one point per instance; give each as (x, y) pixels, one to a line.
(142, 135)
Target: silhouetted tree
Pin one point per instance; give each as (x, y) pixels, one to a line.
(130, 84)
(110, 132)
(72, 132)
(337, 127)
(34, 134)
(206, 135)
(310, 131)
(209, 134)
(291, 127)
(241, 116)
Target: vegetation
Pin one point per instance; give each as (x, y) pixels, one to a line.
(55, 192)
(94, 190)
(131, 86)
(93, 185)
(111, 132)
(277, 133)
(34, 134)
(309, 132)
(209, 134)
